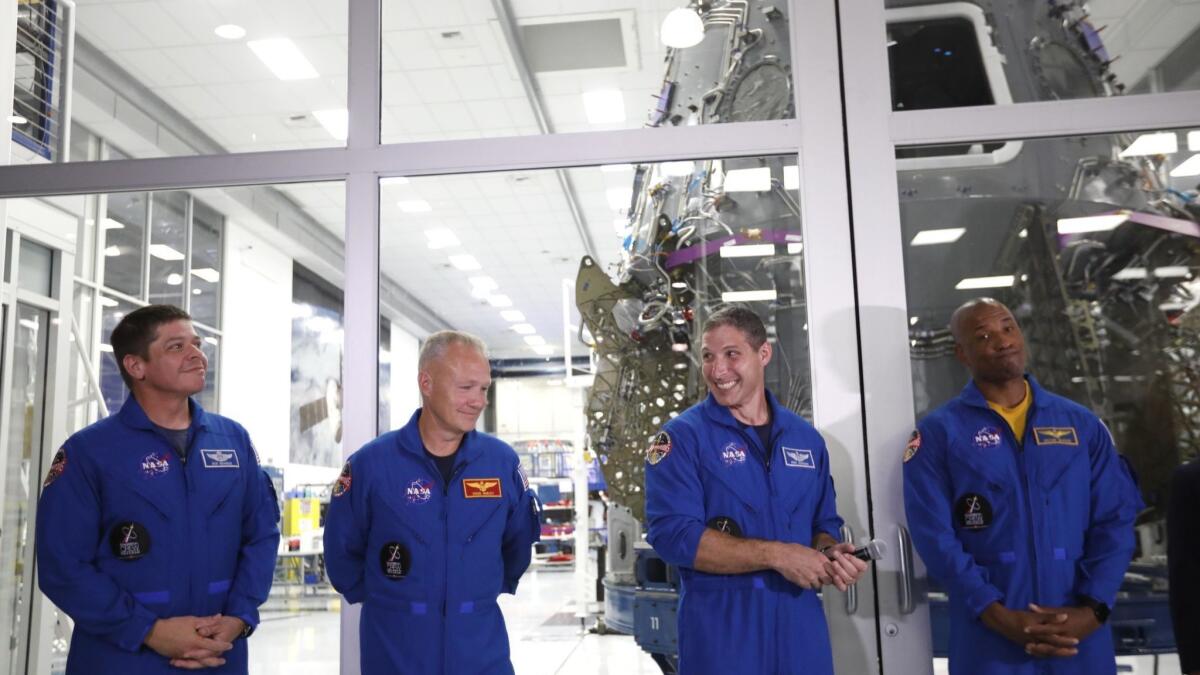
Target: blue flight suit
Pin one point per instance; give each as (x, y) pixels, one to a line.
(128, 534)
(1044, 520)
(428, 559)
(705, 470)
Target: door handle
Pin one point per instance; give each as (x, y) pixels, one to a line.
(852, 590)
(906, 571)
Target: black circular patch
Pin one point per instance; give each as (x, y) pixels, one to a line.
(129, 540)
(394, 560)
(973, 511)
(725, 524)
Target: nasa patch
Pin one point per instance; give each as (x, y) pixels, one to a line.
(987, 437)
(659, 448)
(395, 561)
(733, 454)
(798, 459)
(129, 541)
(219, 459)
(974, 512)
(155, 464)
(914, 444)
(419, 491)
(342, 485)
(725, 524)
(57, 467)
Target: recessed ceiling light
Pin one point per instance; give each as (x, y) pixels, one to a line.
(748, 296)
(465, 262)
(791, 177)
(414, 206)
(1101, 223)
(948, 235)
(394, 180)
(482, 286)
(174, 279)
(748, 180)
(543, 350)
(208, 274)
(795, 248)
(1189, 168)
(211, 340)
(535, 340)
(1171, 272)
(970, 283)
(107, 302)
(605, 106)
(619, 197)
(230, 31)
(512, 315)
(110, 224)
(17, 119)
(335, 121)
(682, 28)
(106, 348)
(1152, 144)
(112, 251)
(441, 237)
(500, 300)
(164, 252)
(283, 58)
(524, 328)
(912, 320)
(747, 251)
(1193, 141)
(1130, 273)
(677, 169)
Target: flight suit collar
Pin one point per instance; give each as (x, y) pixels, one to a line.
(721, 415)
(410, 441)
(973, 397)
(132, 415)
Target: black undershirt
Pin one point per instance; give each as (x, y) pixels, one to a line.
(764, 436)
(178, 438)
(445, 465)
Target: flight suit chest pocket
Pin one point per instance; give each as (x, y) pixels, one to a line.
(732, 489)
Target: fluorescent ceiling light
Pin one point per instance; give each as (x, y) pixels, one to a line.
(682, 28)
(174, 279)
(485, 283)
(283, 58)
(17, 119)
(512, 315)
(1193, 140)
(465, 262)
(616, 168)
(1171, 272)
(948, 235)
(1189, 168)
(1002, 281)
(164, 252)
(1130, 273)
(106, 348)
(677, 169)
(196, 291)
(912, 320)
(500, 300)
(747, 296)
(211, 340)
(31, 324)
(748, 180)
(208, 274)
(336, 121)
(394, 180)
(1091, 223)
(795, 248)
(543, 350)
(107, 302)
(791, 177)
(535, 340)
(230, 31)
(747, 250)
(112, 251)
(441, 237)
(110, 224)
(1152, 144)
(524, 328)
(414, 206)
(619, 197)
(604, 106)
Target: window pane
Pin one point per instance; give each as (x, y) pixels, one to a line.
(112, 387)
(451, 71)
(1091, 242)
(954, 54)
(205, 278)
(168, 247)
(36, 271)
(124, 237)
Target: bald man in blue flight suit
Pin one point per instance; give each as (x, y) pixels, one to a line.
(429, 524)
(156, 529)
(739, 497)
(1020, 505)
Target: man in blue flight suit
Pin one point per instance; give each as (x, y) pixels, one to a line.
(1020, 505)
(740, 498)
(429, 524)
(157, 531)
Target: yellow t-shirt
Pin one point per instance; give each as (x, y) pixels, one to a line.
(1016, 415)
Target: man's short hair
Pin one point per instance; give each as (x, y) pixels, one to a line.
(740, 318)
(435, 346)
(138, 329)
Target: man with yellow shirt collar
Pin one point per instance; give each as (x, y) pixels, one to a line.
(1019, 504)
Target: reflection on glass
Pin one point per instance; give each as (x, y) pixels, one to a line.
(317, 343)
(112, 387)
(211, 346)
(168, 247)
(22, 469)
(205, 273)
(952, 54)
(467, 71)
(124, 234)
(36, 271)
(1093, 243)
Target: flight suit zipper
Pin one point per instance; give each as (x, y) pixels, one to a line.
(1021, 466)
(445, 518)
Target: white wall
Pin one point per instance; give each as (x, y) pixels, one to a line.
(531, 407)
(405, 395)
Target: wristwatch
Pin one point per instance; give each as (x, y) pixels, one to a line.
(247, 630)
(1100, 609)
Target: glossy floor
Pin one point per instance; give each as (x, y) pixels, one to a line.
(544, 636)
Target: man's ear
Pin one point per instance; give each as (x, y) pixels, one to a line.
(765, 352)
(135, 366)
(425, 382)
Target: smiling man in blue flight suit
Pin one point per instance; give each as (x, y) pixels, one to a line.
(429, 524)
(1020, 505)
(156, 530)
(739, 496)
